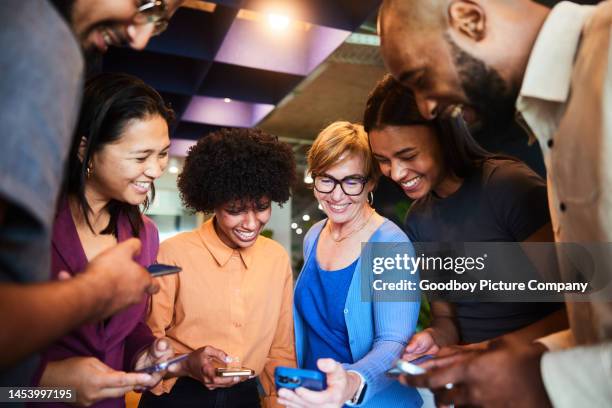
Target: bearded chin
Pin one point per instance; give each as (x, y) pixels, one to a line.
(492, 99)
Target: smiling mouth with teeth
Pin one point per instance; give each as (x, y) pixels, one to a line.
(412, 182)
(143, 185)
(338, 206)
(246, 236)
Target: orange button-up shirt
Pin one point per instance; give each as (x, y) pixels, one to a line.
(237, 300)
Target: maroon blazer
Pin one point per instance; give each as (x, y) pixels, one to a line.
(118, 340)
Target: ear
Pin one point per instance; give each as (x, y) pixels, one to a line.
(82, 148)
(468, 17)
(370, 186)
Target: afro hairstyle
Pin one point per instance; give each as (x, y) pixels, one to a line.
(236, 164)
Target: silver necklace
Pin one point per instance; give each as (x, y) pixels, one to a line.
(362, 226)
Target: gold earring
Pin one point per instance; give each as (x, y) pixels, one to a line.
(89, 169)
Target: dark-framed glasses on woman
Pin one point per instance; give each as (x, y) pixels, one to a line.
(351, 185)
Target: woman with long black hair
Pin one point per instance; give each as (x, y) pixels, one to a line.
(461, 193)
(121, 149)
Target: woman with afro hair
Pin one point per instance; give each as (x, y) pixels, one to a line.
(232, 302)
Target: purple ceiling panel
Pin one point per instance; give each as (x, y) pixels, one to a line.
(294, 50)
(260, 111)
(180, 147)
(322, 41)
(216, 111)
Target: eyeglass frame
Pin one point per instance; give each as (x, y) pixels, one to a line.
(363, 179)
(159, 18)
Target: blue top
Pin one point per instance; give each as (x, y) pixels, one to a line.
(321, 299)
(378, 331)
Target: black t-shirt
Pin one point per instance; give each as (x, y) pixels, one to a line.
(503, 202)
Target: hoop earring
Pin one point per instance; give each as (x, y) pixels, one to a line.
(371, 198)
(89, 170)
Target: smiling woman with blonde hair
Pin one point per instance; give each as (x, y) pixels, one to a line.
(352, 341)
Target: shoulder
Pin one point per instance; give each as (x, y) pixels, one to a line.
(389, 232)
(273, 256)
(177, 241)
(272, 248)
(41, 87)
(42, 36)
(508, 172)
(149, 235)
(149, 227)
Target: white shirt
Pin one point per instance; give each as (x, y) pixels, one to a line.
(565, 99)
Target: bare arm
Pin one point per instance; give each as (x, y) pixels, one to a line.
(552, 323)
(34, 315)
(444, 325)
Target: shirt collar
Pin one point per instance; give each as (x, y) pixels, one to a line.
(219, 250)
(549, 70)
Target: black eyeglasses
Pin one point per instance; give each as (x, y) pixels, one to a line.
(152, 11)
(351, 185)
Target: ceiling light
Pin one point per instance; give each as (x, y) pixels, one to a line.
(293, 225)
(306, 217)
(173, 170)
(277, 21)
(298, 231)
(227, 100)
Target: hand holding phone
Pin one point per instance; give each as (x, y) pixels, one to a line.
(403, 367)
(160, 269)
(291, 378)
(163, 365)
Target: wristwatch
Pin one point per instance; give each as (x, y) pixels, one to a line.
(360, 393)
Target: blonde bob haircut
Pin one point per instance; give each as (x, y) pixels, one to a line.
(336, 143)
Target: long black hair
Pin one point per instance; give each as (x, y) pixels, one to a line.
(110, 102)
(391, 104)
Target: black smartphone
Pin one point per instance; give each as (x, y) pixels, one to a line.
(161, 269)
(163, 365)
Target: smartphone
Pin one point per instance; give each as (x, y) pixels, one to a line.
(234, 372)
(163, 365)
(409, 367)
(160, 269)
(291, 378)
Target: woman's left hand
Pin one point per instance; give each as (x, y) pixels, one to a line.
(341, 386)
(160, 351)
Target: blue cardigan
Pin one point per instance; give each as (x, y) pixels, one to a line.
(378, 331)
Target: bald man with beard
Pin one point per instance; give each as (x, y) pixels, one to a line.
(493, 56)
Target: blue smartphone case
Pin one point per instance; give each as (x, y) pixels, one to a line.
(291, 378)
